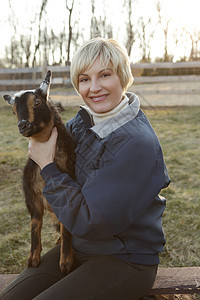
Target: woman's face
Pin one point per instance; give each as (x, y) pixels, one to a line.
(100, 88)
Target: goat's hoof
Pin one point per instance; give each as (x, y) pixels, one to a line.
(33, 262)
(65, 268)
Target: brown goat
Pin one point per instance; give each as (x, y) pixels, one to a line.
(36, 118)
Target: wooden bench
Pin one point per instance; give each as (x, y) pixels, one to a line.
(169, 281)
(184, 280)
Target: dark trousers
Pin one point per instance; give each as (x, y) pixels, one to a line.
(94, 277)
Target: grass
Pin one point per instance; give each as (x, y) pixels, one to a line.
(179, 132)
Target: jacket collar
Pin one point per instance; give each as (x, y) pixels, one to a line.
(104, 128)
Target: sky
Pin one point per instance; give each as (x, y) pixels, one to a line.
(182, 13)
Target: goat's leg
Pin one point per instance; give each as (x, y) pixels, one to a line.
(33, 185)
(66, 252)
(37, 211)
(34, 202)
(36, 245)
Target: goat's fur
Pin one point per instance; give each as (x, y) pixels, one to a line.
(36, 118)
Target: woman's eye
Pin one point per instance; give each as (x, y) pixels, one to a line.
(83, 80)
(105, 75)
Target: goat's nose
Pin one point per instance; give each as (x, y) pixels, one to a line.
(22, 124)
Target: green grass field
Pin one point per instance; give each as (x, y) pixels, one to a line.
(179, 132)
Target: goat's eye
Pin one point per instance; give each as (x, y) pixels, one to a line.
(37, 102)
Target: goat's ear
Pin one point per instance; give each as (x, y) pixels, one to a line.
(9, 99)
(45, 85)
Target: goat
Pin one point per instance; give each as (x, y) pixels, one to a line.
(36, 118)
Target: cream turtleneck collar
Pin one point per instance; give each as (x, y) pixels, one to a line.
(99, 117)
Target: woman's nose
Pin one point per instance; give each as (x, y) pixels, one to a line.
(95, 86)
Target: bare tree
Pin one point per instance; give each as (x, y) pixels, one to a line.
(100, 27)
(37, 45)
(62, 40)
(130, 33)
(12, 51)
(195, 44)
(25, 43)
(40, 43)
(93, 25)
(46, 45)
(70, 10)
(164, 24)
(12, 19)
(77, 32)
(145, 39)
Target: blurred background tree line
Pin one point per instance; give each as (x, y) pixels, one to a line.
(42, 43)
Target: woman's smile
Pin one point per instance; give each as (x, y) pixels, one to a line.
(98, 98)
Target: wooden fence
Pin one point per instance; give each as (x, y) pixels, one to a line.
(24, 78)
(144, 73)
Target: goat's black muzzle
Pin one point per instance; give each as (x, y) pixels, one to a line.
(24, 127)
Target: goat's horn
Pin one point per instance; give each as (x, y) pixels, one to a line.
(46, 83)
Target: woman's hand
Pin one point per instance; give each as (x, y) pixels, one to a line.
(43, 153)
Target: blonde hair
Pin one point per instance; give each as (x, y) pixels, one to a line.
(111, 54)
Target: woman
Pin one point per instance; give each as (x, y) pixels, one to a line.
(112, 209)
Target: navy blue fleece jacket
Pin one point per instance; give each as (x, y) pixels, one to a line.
(113, 207)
